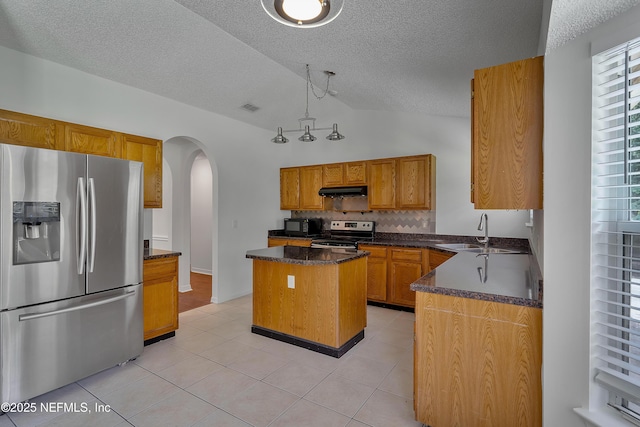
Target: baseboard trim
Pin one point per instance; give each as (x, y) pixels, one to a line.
(309, 345)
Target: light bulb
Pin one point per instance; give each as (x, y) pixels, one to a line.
(302, 10)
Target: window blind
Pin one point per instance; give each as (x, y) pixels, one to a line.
(615, 247)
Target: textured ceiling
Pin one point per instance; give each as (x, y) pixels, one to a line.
(409, 55)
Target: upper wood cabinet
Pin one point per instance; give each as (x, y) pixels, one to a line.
(310, 184)
(395, 183)
(149, 152)
(299, 188)
(89, 140)
(344, 174)
(382, 183)
(40, 132)
(355, 173)
(414, 189)
(289, 188)
(30, 131)
(333, 175)
(506, 141)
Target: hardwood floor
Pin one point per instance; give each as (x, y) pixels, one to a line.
(199, 295)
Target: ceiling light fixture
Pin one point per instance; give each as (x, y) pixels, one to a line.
(303, 13)
(307, 123)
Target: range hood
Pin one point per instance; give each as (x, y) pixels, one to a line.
(352, 191)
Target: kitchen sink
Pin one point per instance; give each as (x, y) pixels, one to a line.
(472, 247)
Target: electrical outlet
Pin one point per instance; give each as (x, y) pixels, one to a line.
(291, 281)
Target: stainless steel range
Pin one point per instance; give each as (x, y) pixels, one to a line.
(346, 234)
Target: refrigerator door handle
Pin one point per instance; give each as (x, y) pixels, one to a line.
(25, 317)
(92, 210)
(81, 224)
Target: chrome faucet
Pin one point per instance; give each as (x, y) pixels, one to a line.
(484, 225)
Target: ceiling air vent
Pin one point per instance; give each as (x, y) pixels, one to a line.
(250, 108)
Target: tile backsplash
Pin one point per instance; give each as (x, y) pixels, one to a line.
(414, 222)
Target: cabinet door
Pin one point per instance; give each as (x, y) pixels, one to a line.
(30, 131)
(382, 182)
(507, 135)
(149, 152)
(289, 188)
(160, 296)
(406, 268)
(355, 173)
(310, 184)
(436, 258)
(376, 272)
(333, 175)
(484, 360)
(413, 185)
(88, 140)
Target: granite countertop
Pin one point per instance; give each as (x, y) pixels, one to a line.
(507, 278)
(150, 253)
(306, 255)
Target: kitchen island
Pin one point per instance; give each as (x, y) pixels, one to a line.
(315, 298)
(478, 342)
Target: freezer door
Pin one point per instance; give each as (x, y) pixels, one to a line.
(39, 255)
(115, 248)
(48, 346)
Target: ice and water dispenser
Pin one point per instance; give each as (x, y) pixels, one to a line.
(36, 232)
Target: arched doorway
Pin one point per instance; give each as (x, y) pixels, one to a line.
(172, 223)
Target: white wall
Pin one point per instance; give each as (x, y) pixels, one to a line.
(201, 216)
(245, 165)
(567, 219)
(375, 134)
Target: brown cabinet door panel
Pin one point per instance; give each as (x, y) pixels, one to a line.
(355, 173)
(381, 183)
(310, 184)
(149, 152)
(289, 188)
(507, 135)
(403, 274)
(29, 131)
(333, 175)
(88, 140)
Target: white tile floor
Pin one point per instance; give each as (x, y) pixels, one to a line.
(215, 372)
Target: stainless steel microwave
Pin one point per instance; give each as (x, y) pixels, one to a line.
(302, 227)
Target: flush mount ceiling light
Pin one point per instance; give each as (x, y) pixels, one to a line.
(303, 13)
(308, 124)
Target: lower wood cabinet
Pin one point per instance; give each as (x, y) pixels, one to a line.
(160, 296)
(477, 363)
(283, 241)
(376, 272)
(391, 270)
(405, 267)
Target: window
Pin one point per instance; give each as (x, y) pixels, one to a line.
(616, 226)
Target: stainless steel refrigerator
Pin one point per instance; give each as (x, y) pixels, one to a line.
(70, 267)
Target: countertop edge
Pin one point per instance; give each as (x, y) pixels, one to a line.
(285, 260)
(159, 253)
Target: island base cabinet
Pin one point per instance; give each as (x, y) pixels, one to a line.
(324, 304)
(477, 363)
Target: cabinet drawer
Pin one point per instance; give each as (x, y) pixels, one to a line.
(159, 268)
(414, 255)
(376, 251)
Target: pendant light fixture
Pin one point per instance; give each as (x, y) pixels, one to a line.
(308, 124)
(303, 13)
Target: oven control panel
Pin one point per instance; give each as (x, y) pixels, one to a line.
(352, 225)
